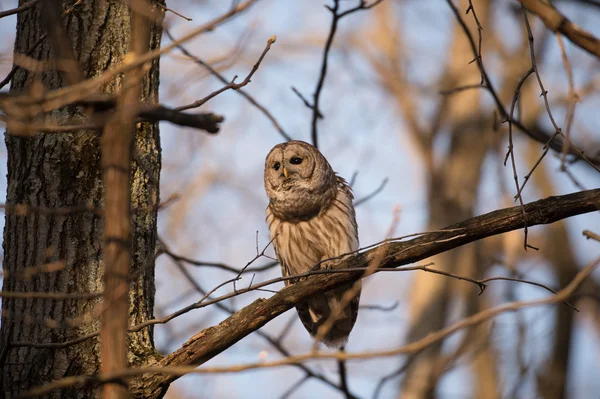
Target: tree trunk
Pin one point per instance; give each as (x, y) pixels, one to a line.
(62, 170)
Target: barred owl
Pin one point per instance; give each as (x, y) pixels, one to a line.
(311, 218)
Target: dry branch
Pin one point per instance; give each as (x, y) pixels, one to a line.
(414, 347)
(207, 121)
(214, 340)
(24, 7)
(558, 23)
(336, 16)
(244, 94)
(232, 85)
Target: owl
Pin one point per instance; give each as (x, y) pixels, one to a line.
(311, 218)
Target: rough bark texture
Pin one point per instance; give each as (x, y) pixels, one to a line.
(63, 170)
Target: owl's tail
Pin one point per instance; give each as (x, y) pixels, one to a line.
(315, 311)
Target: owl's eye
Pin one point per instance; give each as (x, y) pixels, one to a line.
(276, 166)
(296, 161)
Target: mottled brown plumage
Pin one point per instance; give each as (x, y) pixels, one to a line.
(311, 218)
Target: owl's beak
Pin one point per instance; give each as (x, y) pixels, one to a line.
(285, 172)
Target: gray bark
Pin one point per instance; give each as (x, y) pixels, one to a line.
(63, 171)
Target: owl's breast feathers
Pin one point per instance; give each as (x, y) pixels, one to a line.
(330, 232)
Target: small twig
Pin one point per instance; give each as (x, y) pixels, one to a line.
(545, 150)
(335, 17)
(24, 7)
(590, 234)
(535, 68)
(573, 98)
(478, 56)
(382, 308)
(390, 376)
(305, 101)
(217, 265)
(511, 153)
(214, 72)
(294, 387)
(353, 179)
(343, 376)
(459, 89)
(174, 12)
(231, 85)
(15, 68)
(373, 194)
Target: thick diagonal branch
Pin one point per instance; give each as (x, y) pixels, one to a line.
(214, 340)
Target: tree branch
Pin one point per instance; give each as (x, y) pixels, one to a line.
(24, 7)
(214, 340)
(411, 348)
(558, 23)
(206, 121)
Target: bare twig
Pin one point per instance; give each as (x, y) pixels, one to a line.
(174, 12)
(307, 104)
(590, 234)
(146, 113)
(30, 4)
(367, 197)
(251, 99)
(381, 308)
(231, 85)
(535, 68)
(511, 153)
(15, 68)
(573, 98)
(164, 249)
(335, 18)
(343, 376)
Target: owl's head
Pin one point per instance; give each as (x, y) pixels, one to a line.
(298, 179)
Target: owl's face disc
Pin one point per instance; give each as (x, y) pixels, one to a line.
(288, 165)
(298, 180)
